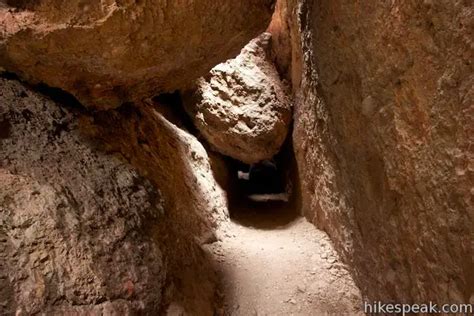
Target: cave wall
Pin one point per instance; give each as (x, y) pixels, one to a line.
(157, 144)
(77, 225)
(383, 118)
(102, 213)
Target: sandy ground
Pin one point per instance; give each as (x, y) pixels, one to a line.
(274, 263)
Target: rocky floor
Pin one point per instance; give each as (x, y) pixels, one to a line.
(275, 263)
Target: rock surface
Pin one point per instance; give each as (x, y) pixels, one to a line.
(241, 107)
(83, 228)
(111, 51)
(76, 224)
(155, 142)
(290, 269)
(383, 131)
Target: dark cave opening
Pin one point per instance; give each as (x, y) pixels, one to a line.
(281, 182)
(170, 105)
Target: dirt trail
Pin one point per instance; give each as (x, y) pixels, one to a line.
(279, 264)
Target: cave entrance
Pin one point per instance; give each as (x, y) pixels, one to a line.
(264, 195)
(263, 181)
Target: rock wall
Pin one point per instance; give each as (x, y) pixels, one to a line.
(112, 51)
(76, 224)
(83, 227)
(383, 125)
(157, 144)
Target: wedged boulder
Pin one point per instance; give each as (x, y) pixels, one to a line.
(108, 52)
(77, 225)
(241, 107)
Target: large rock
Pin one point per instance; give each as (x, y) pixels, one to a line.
(241, 107)
(83, 230)
(108, 52)
(77, 226)
(383, 140)
(154, 140)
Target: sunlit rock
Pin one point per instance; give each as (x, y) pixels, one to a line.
(241, 107)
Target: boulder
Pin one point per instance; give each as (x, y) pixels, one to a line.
(76, 224)
(112, 51)
(155, 141)
(241, 107)
(83, 226)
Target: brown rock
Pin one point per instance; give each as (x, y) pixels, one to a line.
(82, 231)
(241, 107)
(76, 224)
(383, 131)
(156, 143)
(108, 52)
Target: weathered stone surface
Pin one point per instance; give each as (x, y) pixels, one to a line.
(383, 139)
(76, 224)
(241, 106)
(108, 52)
(286, 51)
(155, 141)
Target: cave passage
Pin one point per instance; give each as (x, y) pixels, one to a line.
(268, 258)
(264, 195)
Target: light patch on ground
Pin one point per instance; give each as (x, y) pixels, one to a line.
(287, 270)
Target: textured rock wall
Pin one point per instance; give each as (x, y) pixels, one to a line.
(76, 225)
(111, 51)
(83, 227)
(383, 125)
(158, 145)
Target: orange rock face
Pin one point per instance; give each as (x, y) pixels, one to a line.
(112, 51)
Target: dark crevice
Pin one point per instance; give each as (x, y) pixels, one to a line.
(59, 96)
(171, 106)
(5, 128)
(9, 75)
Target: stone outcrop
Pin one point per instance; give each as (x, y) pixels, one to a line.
(83, 227)
(383, 131)
(154, 140)
(241, 107)
(109, 52)
(76, 224)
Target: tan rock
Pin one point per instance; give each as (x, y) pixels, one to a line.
(76, 224)
(108, 52)
(383, 140)
(155, 142)
(83, 227)
(241, 107)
